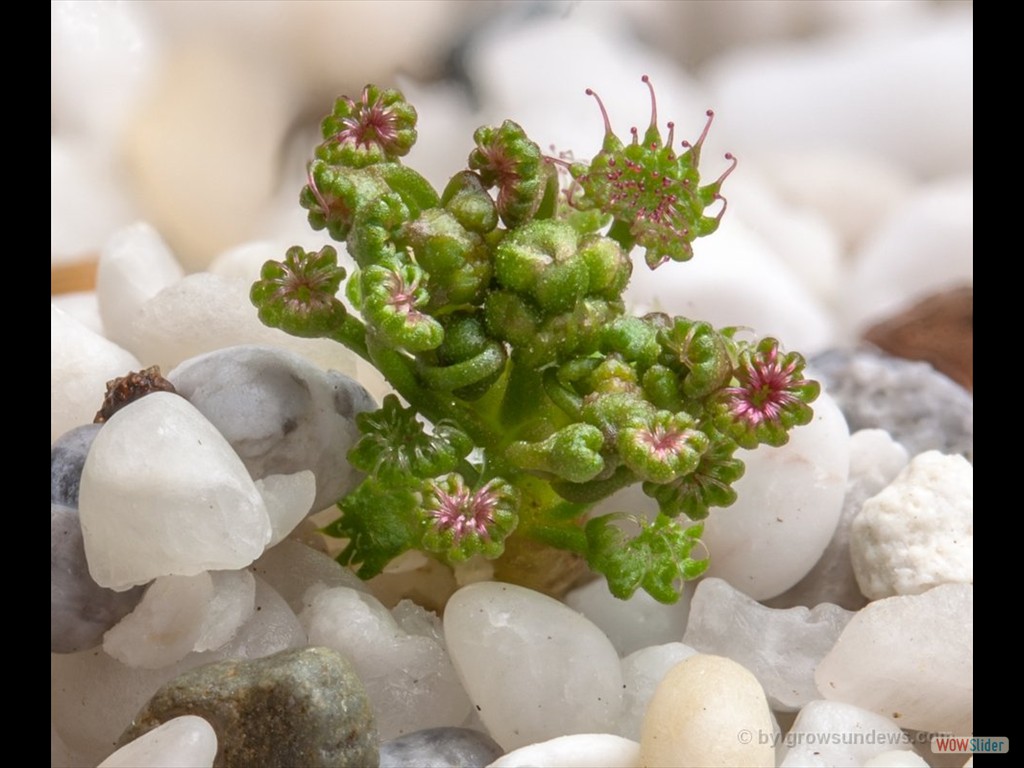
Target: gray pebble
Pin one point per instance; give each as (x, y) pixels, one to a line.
(919, 407)
(67, 457)
(280, 413)
(80, 610)
(440, 748)
(301, 707)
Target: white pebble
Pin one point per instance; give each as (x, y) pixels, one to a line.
(289, 498)
(182, 742)
(580, 750)
(291, 568)
(919, 531)
(781, 647)
(165, 625)
(204, 312)
(897, 758)
(789, 503)
(135, 265)
(875, 460)
(707, 711)
(232, 605)
(81, 364)
(163, 493)
(533, 667)
(408, 677)
(910, 658)
(642, 671)
(635, 623)
(830, 733)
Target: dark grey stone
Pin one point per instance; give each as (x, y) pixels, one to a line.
(440, 748)
(302, 707)
(280, 412)
(80, 609)
(67, 457)
(919, 407)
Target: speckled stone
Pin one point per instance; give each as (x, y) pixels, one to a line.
(440, 748)
(301, 707)
(80, 609)
(67, 457)
(919, 407)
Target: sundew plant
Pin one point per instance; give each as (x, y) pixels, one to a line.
(527, 393)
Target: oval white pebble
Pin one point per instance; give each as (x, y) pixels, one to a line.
(184, 742)
(534, 668)
(580, 750)
(707, 711)
(163, 493)
(790, 499)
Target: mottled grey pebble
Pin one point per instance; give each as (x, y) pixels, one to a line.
(280, 412)
(67, 456)
(919, 407)
(440, 748)
(80, 609)
(302, 707)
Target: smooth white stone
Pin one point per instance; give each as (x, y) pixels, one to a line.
(635, 623)
(910, 658)
(204, 312)
(580, 750)
(781, 647)
(923, 247)
(244, 262)
(272, 627)
(736, 279)
(291, 568)
(700, 714)
(851, 92)
(408, 677)
(81, 364)
(289, 498)
(80, 224)
(184, 742)
(163, 493)
(232, 605)
(790, 499)
(165, 625)
(642, 671)
(830, 733)
(134, 266)
(919, 531)
(533, 667)
(83, 307)
(875, 460)
(897, 758)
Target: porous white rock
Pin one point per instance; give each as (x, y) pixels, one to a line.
(925, 246)
(187, 742)
(533, 667)
(135, 265)
(707, 711)
(204, 312)
(232, 604)
(896, 758)
(781, 647)
(165, 625)
(579, 750)
(790, 499)
(409, 679)
(830, 733)
(81, 364)
(163, 493)
(910, 658)
(289, 498)
(642, 671)
(635, 623)
(875, 460)
(918, 532)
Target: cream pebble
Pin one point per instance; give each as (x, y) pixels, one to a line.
(707, 711)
